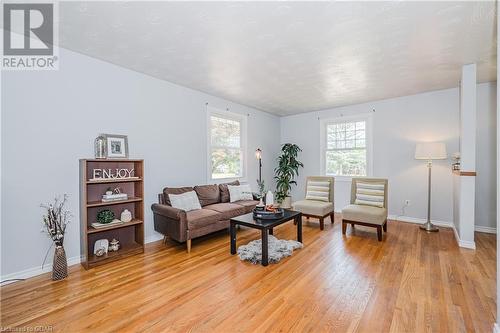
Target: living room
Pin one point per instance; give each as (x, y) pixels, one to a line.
(186, 97)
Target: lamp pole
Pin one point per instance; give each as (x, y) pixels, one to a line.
(428, 226)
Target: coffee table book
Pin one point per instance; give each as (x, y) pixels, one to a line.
(130, 234)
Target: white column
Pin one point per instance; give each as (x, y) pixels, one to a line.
(465, 185)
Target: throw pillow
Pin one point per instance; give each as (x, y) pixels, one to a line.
(319, 191)
(186, 201)
(224, 192)
(241, 192)
(370, 194)
(208, 194)
(174, 190)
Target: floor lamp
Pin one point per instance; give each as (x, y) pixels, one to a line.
(258, 155)
(430, 151)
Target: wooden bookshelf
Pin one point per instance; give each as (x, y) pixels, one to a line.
(130, 234)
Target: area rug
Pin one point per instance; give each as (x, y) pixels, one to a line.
(278, 249)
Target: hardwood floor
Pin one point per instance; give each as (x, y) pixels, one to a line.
(410, 282)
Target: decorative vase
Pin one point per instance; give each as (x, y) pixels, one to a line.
(60, 264)
(100, 147)
(269, 198)
(286, 203)
(126, 216)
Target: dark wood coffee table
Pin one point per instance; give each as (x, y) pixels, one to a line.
(266, 228)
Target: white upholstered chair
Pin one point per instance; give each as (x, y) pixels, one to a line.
(368, 205)
(319, 199)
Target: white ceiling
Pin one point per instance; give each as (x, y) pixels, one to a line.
(290, 57)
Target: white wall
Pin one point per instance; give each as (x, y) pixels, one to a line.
(50, 119)
(398, 124)
(486, 147)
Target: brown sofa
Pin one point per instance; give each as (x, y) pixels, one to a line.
(216, 211)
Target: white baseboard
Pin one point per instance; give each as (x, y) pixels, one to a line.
(34, 271)
(416, 220)
(462, 243)
(488, 230)
(153, 238)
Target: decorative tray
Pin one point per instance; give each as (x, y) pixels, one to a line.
(267, 215)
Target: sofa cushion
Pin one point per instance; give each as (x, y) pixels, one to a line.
(224, 191)
(239, 192)
(227, 210)
(201, 217)
(249, 205)
(317, 190)
(362, 213)
(174, 190)
(208, 194)
(186, 201)
(313, 207)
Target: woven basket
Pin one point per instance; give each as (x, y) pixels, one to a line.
(60, 265)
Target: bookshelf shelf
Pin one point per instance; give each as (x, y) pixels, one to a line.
(130, 234)
(115, 180)
(109, 203)
(92, 230)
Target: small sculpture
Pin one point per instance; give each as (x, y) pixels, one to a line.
(100, 147)
(114, 245)
(101, 247)
(126, 216)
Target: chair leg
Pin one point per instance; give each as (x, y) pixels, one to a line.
(321, 223)
(379, 233)
(332, 217)
(385, 226)
(188, 243)
(344, 227)
(165, 238)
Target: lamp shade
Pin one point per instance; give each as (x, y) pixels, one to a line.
(258, 154)
(430, 151)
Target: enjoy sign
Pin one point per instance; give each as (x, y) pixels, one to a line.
(112, 173)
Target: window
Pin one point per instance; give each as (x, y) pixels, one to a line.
(346, 146)
(227, 135)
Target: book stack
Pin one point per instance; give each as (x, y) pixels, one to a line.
(114, 197)
(105, 225)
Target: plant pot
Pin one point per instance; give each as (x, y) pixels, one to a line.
(60, 264)
(286, 203)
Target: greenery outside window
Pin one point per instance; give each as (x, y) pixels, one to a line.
(226, 136)
(346, 147)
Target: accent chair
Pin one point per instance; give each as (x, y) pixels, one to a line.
(319, 199)
(368, 205)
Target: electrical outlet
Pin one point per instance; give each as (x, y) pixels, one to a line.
(407, 202)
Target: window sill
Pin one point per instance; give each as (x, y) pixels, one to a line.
(345, 178)
(227, 180)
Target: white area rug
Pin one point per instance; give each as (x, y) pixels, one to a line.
(278, 249)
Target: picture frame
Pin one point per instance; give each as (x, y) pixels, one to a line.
(116, 145)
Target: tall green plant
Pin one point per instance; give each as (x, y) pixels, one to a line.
(287, 170)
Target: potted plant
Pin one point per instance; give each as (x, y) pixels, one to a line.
(285, 173)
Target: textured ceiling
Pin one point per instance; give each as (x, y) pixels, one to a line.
(290, 57)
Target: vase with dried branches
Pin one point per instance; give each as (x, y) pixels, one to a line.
(55, 220)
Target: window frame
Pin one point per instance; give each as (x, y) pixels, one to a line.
(242, 119)
(368, 118)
